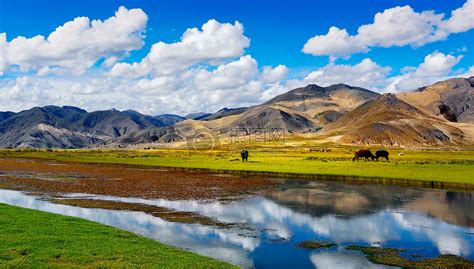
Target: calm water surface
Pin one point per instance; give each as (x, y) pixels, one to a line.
(425, 222)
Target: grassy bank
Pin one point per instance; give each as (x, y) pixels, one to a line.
(30, 238)
(453, 167)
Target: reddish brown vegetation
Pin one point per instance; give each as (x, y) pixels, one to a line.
(125, 181)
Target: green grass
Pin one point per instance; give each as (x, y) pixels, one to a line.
(32, 239)
(427, 165)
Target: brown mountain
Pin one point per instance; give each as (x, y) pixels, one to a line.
(452, 99)
(389, 120)
(438, 114)
(323, 104)
(302, 110)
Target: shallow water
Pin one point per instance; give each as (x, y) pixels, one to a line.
(425, 222)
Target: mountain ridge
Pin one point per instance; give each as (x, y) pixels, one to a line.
(434, 115)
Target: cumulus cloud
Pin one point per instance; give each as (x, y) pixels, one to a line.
(24, 92)
(367, 74)
(435, 67)
(232, 84)
(77, 45)
(207, 69)
(398, 26)
(335, 42)
(3, 53)
(272, 75)
(213, 44)
(461, 20)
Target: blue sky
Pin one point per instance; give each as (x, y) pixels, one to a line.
(277, 30)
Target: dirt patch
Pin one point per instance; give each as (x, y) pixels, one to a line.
(391, 256)
(126, 181)
(163, 213)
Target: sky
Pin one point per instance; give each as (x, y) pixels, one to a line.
(186, 56)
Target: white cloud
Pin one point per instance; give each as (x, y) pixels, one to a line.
(468, 73)
(328, 260)
(435, 67)
(398, 26)
(370, 75)
(231, 84)
(3, 53)
(213, 44)
(335, 42)
(237, 83)
(272, 75)
(367, 74)
(204, 71)
(226, 76)
(461, 20)
(77, 45)
(24, 93)
(437, 64)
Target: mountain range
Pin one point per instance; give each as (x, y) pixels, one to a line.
(435, 115)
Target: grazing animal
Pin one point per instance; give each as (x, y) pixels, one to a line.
(381, 153)
(363, 153)
(245, 155)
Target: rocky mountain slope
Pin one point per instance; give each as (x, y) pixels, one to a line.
(69, 127)
(452, 99)
(388, 120)
(438, 114)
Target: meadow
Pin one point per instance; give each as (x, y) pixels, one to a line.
(31, 238)
(34, 239)
(450, 168)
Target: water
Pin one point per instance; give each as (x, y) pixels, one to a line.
(425, 222)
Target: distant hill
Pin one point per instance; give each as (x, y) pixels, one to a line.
(69, 127)
(149, 135)
(388, 120)
(266, 116)
(197, 115)
(6, 115)
(323, 104)
(41, 128)
(225, 112)
(314, 92)
(434, 115)
(169, 119)
(302, 110)
(453, 99)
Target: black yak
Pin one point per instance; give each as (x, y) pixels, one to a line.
(363, 153)
(245, 155)
(381, 153)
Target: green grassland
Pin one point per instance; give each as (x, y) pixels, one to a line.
(34, 239)
(448, 166)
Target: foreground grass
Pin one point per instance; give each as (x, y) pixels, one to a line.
(30, 238)
(432, 165)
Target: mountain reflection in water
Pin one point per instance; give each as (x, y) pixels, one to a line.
(425, 222)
